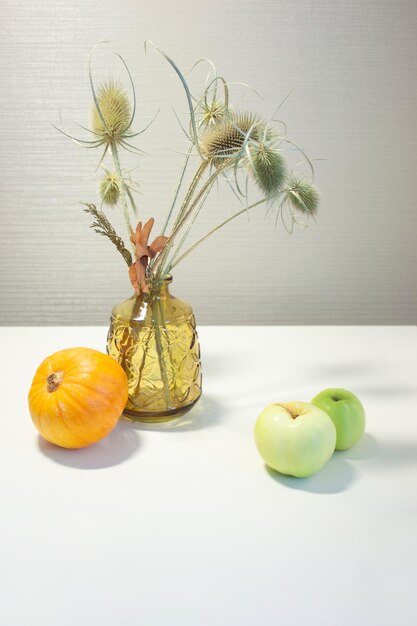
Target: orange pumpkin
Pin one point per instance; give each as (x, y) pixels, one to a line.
(77, 397)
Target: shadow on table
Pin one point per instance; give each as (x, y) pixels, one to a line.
(336, 476)
(114, 449)
(206, 413)
(367, 448)
(384, 454)
(340, 472)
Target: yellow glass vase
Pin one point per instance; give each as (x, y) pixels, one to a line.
(154, 338)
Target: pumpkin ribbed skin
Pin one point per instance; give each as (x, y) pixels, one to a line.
(77, 397)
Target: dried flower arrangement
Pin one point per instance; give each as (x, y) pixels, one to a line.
(153, 334)
(225, 139)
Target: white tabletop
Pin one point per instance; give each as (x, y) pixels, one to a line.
(183, 525)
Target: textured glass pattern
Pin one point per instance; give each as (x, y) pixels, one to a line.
(155, 341)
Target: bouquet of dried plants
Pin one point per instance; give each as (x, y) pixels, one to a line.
(236, 145)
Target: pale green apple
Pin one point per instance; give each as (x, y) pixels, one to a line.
(295, 438)
(347, 413)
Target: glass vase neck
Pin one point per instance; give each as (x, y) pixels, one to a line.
(161, 288)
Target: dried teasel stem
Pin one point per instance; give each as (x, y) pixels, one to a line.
(213, 230)
(186, 232)
(159, 263)
(122, 187)
(199, 195)
(177, 189)
(197, 177)
(158, 323)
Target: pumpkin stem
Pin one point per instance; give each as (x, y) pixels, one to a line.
(54, 380)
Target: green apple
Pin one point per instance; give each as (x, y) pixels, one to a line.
(295, 438)
(347, 413)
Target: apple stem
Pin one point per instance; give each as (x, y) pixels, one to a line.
(291, 412)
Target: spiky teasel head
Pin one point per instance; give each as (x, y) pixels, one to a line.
(267, 166)
(212, 113)
(227, 138)
(111, 115)
(109, 188)
(301, 195)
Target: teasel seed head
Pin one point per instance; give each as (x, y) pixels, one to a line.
(212, 112)
(267, 165)
(226, 138)
(115, 109)
(109, 188)
(301, 195)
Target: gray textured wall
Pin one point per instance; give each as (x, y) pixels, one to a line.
(351, 67)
